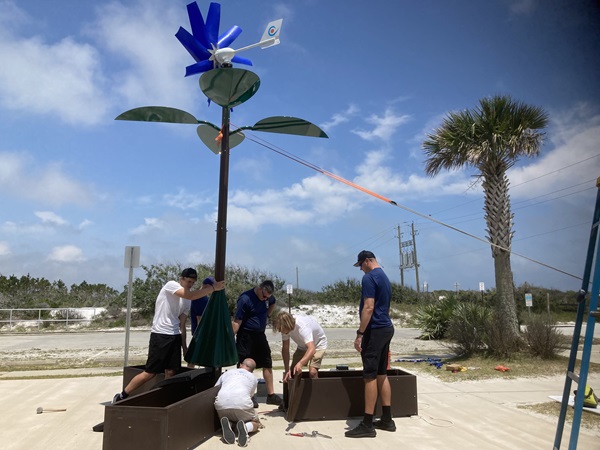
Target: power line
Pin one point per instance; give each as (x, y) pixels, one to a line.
(293, 157)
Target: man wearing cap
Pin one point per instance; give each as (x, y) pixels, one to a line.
(170, 313)
(373, 339)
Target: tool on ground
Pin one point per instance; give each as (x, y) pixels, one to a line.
(313, 434)
(43, 410)
(317, 434)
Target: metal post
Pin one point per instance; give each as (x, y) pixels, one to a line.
(401, 259)
(128, 314)
(220, 250)
(415, 253)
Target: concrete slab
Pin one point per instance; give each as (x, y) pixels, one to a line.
(466, 415)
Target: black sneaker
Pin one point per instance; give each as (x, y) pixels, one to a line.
(274, 399)
(384, 425)
(242, 433)
(254, 402)
(228, 434)
(361, 431)
(117, 398)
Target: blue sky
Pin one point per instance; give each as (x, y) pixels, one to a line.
(76, 186)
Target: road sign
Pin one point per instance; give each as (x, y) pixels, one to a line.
(528, 300)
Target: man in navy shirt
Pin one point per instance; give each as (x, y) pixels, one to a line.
(249, 323)
(373, 339)
(198, 307)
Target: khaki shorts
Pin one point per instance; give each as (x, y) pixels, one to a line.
(315, 362)
(235, 414)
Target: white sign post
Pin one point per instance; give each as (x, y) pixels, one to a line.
(481, 289)
(290, 290)
(132, 259)
(529, 301)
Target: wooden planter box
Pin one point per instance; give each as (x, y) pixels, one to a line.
(178, 414)
(131, 371)
(339, 394)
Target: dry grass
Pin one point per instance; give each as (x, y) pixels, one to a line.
(480, 368)
(589, 420)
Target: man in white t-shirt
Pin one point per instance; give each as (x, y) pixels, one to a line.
(234, 402)
(310, 339)
(170, 313)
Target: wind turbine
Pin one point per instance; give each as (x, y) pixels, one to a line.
(227, 87)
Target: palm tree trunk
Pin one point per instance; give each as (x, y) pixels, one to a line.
(506, 307)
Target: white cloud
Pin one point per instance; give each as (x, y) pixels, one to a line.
(149, 57)
(68, 83)
(66, 254)
(149, 225)
(4, 248)
(21, 177)
(384, 126)
(340, 118)
(184, 200)
(50, 217)
(84, 224)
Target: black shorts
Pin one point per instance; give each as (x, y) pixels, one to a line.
(254, 344)
(164, 352)
(375, 348)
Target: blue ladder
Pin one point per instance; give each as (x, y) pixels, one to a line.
(592, 259)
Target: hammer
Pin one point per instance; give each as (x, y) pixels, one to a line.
(41, 410)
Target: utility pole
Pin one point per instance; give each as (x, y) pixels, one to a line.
(401, 260)
(456, 286)
(412, 225)
(297, 279)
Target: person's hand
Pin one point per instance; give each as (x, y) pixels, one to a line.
(357, 343)
(286, 376)
(297, 368)
(219, 285)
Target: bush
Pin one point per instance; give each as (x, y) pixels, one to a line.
(433, 319)
(468, 327)
(542, 336)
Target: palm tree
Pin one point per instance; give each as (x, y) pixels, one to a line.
(491, 139)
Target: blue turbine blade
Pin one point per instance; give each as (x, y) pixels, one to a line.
(227, 38)
(197, 24)
(199, 67)
(241, 60)
(212, 22)
(194, 48)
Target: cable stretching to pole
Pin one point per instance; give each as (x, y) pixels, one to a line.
(392, 202)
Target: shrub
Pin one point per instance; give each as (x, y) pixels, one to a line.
(542, 336)
(433, 319)
(468, 327)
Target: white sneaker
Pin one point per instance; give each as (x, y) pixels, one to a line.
(228, 434)
(242, 434)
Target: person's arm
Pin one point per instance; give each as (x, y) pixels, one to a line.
(285, 355)
(182, 322)
(270, 310)
(236, 325)
(365, 318)
(205, 290)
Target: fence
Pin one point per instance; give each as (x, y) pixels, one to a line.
(39, 317)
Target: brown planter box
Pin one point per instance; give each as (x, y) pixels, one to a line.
(177, 414)
(131, 371)
(339, 394)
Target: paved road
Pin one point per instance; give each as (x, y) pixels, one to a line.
(95, 339)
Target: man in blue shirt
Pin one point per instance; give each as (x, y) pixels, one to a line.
(373, 339)
(198, 307)
(249, 323)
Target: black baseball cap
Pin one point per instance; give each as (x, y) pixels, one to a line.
(362, 256)
(189, 273)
